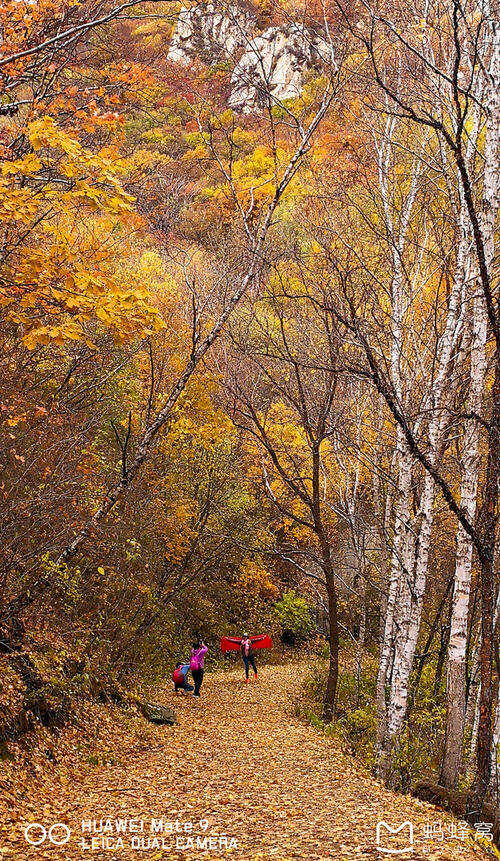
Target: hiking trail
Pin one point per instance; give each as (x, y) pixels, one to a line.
(240, 762)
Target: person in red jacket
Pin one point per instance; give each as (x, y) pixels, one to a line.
(248, 656)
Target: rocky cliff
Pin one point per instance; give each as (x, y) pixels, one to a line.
(265, 62)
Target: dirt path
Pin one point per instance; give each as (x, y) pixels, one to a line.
(241, 765)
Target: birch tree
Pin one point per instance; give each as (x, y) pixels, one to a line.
(396, 238)
(470, 448)
(431, 86)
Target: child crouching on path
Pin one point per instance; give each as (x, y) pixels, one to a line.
(179, 677)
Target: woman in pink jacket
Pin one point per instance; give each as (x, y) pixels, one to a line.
(198, 653)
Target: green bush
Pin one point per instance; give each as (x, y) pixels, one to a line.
(293, 614)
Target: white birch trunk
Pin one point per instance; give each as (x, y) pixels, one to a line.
(475, 727)
(470, 454)
(495, 752)
(417, 561)
(403, 554)
(404, 460)
(495, 742)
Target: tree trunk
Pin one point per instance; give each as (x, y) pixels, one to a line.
(495, 742)
(401, 519)
(487, 520)
(495, 753)
(463, 568)
(428, 644)
(418, 540)
(470, 465)
(443, 648)
(331, 588)
(360, 644)
(333, 640)
(487, 526)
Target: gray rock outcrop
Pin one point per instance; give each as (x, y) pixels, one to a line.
(266, 64)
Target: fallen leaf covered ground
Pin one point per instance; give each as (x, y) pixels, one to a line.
(238, 768)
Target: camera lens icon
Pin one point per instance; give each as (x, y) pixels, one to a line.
(58, 834)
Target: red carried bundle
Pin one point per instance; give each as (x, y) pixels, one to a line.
(263, 641)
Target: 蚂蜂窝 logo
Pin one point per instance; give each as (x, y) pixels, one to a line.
(390, 831)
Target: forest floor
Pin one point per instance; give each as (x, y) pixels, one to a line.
(239, 770)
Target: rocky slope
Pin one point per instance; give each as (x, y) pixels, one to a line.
(266, 63)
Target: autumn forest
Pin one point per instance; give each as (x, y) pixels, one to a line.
(250, 381)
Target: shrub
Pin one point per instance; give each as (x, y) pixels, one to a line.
(294, 617)
(419, 747)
